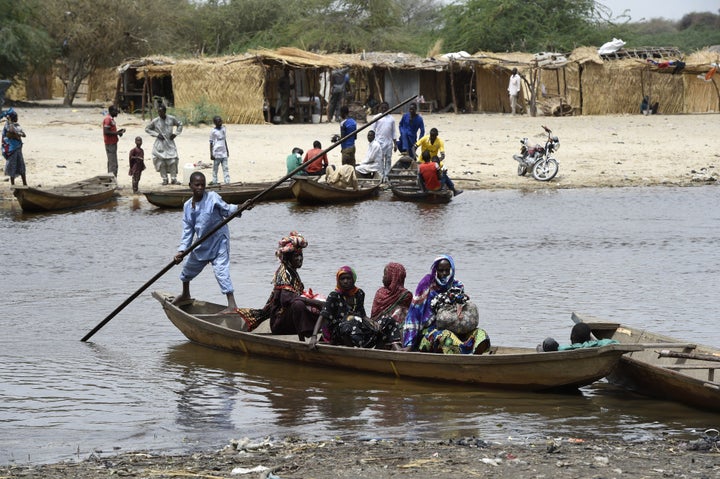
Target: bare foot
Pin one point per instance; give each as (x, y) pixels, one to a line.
(183, 298)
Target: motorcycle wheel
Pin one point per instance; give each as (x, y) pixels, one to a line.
(545, 170)
(522, 170)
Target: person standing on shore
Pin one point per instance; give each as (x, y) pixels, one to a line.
(137, 163)
(164, 153)
(347, 126)
(514, 89)
(111, 136)
(219, 152)
(410, 124)
(12, 143)
(385, 136)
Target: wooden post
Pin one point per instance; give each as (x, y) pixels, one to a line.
(452, 87)
(377, 86)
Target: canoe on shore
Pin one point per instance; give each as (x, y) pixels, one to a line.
(404, 184)
(309, 190)
(80, 194)
(234, 193)
(503, 368)
(665, 367)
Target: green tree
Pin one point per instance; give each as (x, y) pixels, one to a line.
(23, 46)
(518, 25)
(90, 34)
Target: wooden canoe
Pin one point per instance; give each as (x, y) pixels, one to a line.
(504, 368)
(404, 184)
(234, 193)
(90, 192)
(309, 190)
(665, 368)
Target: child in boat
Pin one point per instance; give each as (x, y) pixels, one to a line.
(343, 320)
(580, 337)
(137, 163)
(201, 213)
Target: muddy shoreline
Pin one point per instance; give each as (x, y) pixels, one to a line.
(558, 458)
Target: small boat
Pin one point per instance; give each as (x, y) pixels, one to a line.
(90, 192)
(404, 184)
(665, 367)
(234, 193)
(309, 190)
(503, 368)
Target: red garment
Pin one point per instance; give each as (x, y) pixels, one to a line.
(110, 139)
(392, 290)
(318, 164)
(430, 175)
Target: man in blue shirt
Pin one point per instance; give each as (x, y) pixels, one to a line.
(347, 147)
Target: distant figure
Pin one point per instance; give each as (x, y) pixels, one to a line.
(347, 126)
(433, 144)
(219, 152)
(338, 85)
(294, 160)
(432, 177)
(165, 156)
(646, 108)
(137, 163)
(385, 135)
(111, 136)
(201, 213)
(12, 144)
(319, 166)
(410, 125)
(514, 89)
(373, 159)
(283, 102)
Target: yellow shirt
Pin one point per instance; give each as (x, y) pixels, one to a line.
(434, 148)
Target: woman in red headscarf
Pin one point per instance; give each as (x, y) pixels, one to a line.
(392, 299)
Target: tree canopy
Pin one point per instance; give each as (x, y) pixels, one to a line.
(81, 35)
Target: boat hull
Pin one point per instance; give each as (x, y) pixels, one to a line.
(692, 382)
(507, 368)
(234, 193)
(404, 184)
(81, 194)
(314, 192)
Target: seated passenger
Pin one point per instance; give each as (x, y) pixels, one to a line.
(392, 299)
(317, 167)
(580, 337)
(421, 333)
(290, 309)
(342, 176)
(373, 163)
(343, 320)
(294, 160)
(432, 177)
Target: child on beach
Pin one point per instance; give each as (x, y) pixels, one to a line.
(137, 163)
(12, 143)
(219, 150)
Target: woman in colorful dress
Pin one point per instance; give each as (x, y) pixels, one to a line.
(343, 320)
(290, 309)
(420, 331)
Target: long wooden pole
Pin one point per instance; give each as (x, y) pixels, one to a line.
(247, 205)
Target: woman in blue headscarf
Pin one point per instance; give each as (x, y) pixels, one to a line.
(420, 332)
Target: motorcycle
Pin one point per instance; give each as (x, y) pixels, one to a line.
(538, 159)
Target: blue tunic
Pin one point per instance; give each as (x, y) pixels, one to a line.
(197, 221)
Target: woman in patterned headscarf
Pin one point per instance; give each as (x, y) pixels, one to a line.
(343, 319)
(420, 333)
(289, 308)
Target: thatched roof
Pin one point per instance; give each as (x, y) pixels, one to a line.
(151, 66)
(296, 57)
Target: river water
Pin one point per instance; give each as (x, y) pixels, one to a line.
(648, 257)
